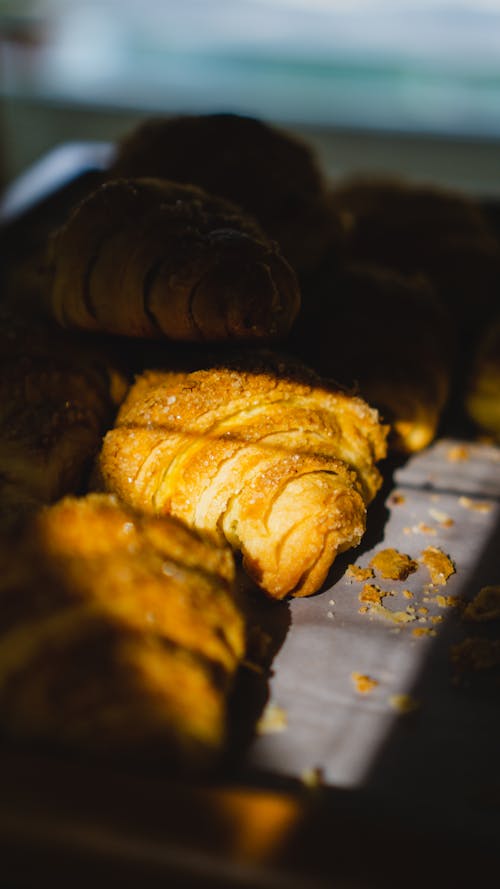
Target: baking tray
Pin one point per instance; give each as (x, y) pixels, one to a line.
(343, 784)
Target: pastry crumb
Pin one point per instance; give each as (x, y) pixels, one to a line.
(439, 565)
(485, 605)
(371, 593)
(358, 573)
(475, 505)
(397, 499)
(422, 528)
(363, 684)
(444, 520)
(273, 719)
(392, 564)
(423, 631)
(313, 777)
(449, 601)
(398, 617)
(404, 703)
(458, 454)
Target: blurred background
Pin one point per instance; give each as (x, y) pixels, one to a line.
(403, 86)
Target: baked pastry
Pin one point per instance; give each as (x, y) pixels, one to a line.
(57, 397)
(268, 171)
(261, 454)
(482, 387)
(119, 633)
(387, 337)
(150, 258)
(425, 229)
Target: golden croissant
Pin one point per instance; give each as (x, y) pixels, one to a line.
(119, 632)
(263, 456)
(151, 258)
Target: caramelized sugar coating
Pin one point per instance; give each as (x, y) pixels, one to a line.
(119, 632)
(274, 461)
(269, 172)
(150, 258)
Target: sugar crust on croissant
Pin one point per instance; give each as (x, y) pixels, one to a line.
(152, 258)
(281, 466)
(118, 632)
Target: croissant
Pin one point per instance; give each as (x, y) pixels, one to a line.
(425, 229)
(266, 170)
(482, 385)
(119, 633)
(151, 258)
(386, 336)
(260, 454)
(57, 397)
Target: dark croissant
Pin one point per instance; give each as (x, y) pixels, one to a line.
(267, 170)
(118, 633)
(57, 397)
(150, 258)
(387, 337)
(276, 463)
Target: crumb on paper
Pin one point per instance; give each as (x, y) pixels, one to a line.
(458, 454)
(436, 619)
(422, 528)
(392, 564)
(397, 499)
(397, 617)
(475, 505)
(443, 518)
(313, 777)
(449, 601)
(273, 719)
(476, 653)
(423, 610)
(423, 631)
(408, 594)
(372, 593)
(363, 684)
(439, 565)
(485, 605)
(404, 703)
(358, 573)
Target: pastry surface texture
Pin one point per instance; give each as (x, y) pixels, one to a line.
(282, 469)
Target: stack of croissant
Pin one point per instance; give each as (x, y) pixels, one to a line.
(169, 414)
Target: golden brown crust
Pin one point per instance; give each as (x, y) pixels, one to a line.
(281, 469)
(117, 632)
(151, 258)
(268, 171)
